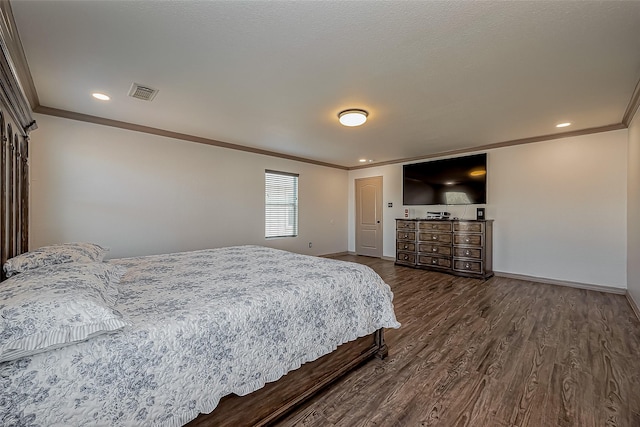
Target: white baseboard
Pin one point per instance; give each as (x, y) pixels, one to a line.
(333, 255)
(588, 286)
(634, 304)
(386, 258)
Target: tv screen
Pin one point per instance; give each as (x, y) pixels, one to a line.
(457, 181)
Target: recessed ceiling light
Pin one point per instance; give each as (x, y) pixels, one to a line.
(101, 96)
(353, 117)
(363, 160)
(563, 125)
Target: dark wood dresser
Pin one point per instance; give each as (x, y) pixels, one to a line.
(460, 247)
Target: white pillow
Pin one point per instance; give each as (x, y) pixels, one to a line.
(55, 254)
(57, 305)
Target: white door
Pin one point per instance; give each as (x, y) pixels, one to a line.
(369, 216)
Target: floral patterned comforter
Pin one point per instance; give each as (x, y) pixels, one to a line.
(204, 324)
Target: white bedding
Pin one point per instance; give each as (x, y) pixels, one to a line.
(204, 324)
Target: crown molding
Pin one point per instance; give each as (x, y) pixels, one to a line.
(12, 49)
(634, 103)
(175, 135)
(485, 147)
(201, 140)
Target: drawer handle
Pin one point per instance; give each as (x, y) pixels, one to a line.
(467, 253)
(434, 261)
(467, 266)
(406, 257)
(435, 249)
(466, 240)
(406, 246)
(406, 236)
(434, 237)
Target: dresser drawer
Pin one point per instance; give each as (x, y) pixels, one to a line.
(471, 227)
(405, 225)
(434, 249)
(406, 246)
(475, 253)
(406, 235)
(434, 226)
(435, 237)
(434, 261)
(467, 239)
(469, 266)
(406, 258)
(462, 247)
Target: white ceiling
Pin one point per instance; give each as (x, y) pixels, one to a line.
(435, 76)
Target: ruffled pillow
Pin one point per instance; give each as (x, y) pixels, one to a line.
(55, 254)
(57, 305)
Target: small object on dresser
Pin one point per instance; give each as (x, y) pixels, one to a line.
(480, 213)
(438, 215)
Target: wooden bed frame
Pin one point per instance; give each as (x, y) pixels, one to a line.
(275, 400)
(262, 407)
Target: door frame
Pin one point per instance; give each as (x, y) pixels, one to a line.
(379, 215)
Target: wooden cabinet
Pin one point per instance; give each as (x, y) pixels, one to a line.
(461, 247)
(406, 242)
(434, 244)
(472, 248)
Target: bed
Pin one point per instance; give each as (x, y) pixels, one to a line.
(163, 354)
(199, 326)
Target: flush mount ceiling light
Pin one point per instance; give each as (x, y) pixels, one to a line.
(101, 96)
(353, 117)
(563, 125)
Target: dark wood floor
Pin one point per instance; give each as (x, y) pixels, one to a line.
(500, 352)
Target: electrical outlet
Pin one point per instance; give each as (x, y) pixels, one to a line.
(310, 244)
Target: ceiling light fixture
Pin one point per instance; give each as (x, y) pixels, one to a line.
(353, 117)
(363, 160)
(101, 96)
(563, 125)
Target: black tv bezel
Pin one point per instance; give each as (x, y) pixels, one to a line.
(451, 160)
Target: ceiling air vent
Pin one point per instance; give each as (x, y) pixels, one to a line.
(142, 92)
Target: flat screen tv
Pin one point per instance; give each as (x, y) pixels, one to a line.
(457, 181)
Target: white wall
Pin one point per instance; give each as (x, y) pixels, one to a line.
(633, 203)
(559, 208)
(144, 194)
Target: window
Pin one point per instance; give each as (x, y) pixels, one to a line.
(281, 204)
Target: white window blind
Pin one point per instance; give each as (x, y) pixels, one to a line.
(281, 204)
